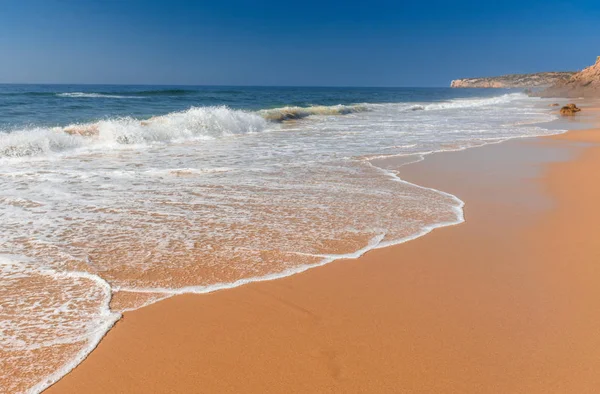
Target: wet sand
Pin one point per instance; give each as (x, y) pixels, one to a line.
(507, 302)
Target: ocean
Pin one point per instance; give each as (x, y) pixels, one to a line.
(115, 197)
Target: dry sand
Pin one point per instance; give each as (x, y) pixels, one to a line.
(508, 302)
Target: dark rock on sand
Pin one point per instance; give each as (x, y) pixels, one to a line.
(569, 110)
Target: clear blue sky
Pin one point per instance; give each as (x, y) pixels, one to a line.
(319, 43)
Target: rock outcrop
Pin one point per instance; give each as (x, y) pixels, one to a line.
(569, 110)
(585, 83)
(536, 80)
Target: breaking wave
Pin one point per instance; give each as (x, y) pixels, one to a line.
(195, 123)
(293, 113)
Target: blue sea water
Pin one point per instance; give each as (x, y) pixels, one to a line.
(114, 197)
(55, 105)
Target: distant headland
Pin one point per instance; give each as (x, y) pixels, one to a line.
(584, 83)
(542, 79)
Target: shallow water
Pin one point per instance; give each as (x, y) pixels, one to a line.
(114, 197)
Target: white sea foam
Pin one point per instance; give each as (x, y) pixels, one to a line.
(475, 102)
(208, 200)
(54, 309)
(195, 123)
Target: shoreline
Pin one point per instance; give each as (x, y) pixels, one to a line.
(148, 296)
(336, 263)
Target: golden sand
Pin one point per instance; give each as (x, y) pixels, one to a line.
(507, 302)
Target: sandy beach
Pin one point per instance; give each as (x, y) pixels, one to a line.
(246, 197)
(506, 302)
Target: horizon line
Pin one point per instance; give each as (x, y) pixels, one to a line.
(220, 85)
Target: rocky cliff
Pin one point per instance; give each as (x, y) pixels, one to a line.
(585, 83)
(544, 79)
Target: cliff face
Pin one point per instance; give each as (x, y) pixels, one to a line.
(514, 80)
(585, 83)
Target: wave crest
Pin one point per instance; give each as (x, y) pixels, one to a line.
(195, 123)
(125, 94)
(294, 113)
(94, 95)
